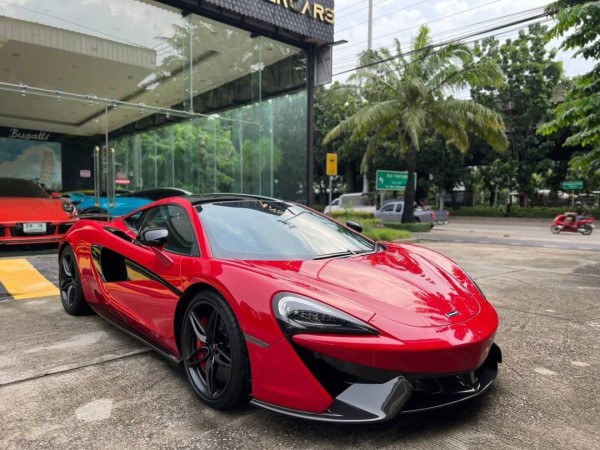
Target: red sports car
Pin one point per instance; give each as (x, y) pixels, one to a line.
(29, 215)
(271, 302)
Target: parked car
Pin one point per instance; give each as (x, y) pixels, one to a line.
(392, 211)
(441, 216)
(29, 215)
(355, 201)
(124, 203)
(268, 301)
(158, 193)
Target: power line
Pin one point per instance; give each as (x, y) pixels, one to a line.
(379, 17)
(432, 21)
(337, 16)
(530, 14)
(443, 43)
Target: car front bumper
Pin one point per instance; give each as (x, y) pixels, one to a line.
(363, 402)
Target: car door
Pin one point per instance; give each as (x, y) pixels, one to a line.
(144, 283)
(387, 212)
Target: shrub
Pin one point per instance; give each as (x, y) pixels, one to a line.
(387, 234)
(374, 229)
(414, 227)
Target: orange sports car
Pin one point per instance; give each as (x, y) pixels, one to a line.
(29, 215)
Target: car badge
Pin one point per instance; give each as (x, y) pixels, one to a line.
(453, 313)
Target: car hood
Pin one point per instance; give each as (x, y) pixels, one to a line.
(27, 209)
(398, 284)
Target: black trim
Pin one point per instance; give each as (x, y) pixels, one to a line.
(256, 341)
(359, 403)
(117, 275)
(135, 266)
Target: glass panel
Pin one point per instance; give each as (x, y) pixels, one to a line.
(185, 102)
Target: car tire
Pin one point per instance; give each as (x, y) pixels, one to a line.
(214, 352)
(69, 282)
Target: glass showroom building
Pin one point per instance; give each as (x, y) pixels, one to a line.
(205, 95)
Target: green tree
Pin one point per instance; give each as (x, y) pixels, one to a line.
(444, 165)
(409, 94)
(531, 75)
(578, 22)
(333, 105)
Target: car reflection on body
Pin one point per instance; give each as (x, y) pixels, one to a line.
(29, 215)
(268, 301)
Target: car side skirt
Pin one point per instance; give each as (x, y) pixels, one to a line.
(121, 325)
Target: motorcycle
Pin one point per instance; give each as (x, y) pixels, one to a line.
(568, 222)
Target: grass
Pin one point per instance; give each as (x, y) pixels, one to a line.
(373, 228)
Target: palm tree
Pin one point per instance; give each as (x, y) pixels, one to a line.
(410, 94)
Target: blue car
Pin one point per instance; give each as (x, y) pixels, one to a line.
(123, 204)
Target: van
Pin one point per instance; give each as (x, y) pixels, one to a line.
(355, 201)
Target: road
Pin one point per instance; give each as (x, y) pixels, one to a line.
(77, 382)
(509, 231)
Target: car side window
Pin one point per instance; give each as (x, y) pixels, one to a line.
(399, 207)
(182, 239)
(151, 218)
(388, 208)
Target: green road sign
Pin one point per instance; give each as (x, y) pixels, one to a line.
(572, 185)
(389, 180)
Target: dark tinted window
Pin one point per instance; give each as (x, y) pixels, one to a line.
(14, 187)
(181, 240)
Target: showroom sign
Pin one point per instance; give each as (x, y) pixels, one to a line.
(15, 133)
(305, 7)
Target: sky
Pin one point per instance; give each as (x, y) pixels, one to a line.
(446, 19)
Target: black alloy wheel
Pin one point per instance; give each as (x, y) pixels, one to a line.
(214, 352)
(71, 292)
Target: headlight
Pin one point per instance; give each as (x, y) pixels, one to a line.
(69, 208)
(298, 314)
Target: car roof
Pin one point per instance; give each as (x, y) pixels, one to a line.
(199, 199)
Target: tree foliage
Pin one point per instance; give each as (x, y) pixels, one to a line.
(411, 94)
(333, 105)
(531, 75)
(578, 23)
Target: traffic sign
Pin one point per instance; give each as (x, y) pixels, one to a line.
(332, 164)
(390, 180)
(572, 185)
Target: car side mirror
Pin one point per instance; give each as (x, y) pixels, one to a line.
(153, 237)
(354, 226)
(55, 195)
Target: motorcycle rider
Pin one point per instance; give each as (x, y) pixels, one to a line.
(581, 210)
(572, 217)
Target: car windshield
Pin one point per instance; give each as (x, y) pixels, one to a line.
(270, 230)
(14, 187)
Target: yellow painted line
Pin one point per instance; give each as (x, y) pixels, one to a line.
(22, 280)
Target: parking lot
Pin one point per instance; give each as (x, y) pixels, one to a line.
(77, 382)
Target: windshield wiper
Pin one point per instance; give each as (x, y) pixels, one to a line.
(336, 255)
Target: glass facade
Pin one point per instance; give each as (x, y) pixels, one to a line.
(169, 99)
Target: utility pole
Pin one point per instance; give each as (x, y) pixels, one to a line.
(370, 37)
(369, 48)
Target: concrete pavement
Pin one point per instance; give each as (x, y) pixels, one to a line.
(73, 383)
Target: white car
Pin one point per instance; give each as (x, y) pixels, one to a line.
(355, 201)
(333, 206)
